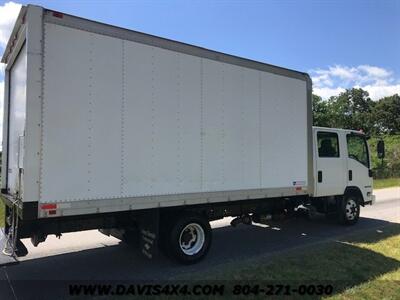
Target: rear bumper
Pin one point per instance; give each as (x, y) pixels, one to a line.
(8, 200)
(26, 210)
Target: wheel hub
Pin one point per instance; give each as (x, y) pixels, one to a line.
(191, 239)
(351, 209)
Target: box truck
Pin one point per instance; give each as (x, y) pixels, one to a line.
(147, 138)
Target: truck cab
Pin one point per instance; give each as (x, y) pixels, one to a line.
(342, 165)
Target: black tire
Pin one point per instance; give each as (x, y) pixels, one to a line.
(198, 245)
(349, 209)
(131, 238)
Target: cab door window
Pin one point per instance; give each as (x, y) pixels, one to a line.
(357, 149)
(328, 144)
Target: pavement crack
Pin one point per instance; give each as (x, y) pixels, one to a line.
(9, 282)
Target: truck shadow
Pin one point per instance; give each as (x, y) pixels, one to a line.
(123, 263)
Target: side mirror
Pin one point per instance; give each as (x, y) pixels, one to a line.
(381, 149)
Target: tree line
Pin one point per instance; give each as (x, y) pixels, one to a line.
(354, 109)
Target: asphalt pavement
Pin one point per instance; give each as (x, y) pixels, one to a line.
(90, 255)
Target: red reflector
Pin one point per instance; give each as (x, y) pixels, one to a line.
(298, 188)
(52, 212)
(58, 14)
(49, 206)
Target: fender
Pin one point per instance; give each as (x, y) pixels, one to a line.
(354, 190)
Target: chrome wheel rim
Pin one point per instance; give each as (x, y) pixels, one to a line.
(191, 239)
(351, 209)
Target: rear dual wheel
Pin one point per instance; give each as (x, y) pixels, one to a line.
(188, 239)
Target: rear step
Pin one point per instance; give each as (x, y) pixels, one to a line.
(10, 245)
(5, 258)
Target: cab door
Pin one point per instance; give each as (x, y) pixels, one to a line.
(358, 163)
(331, 168)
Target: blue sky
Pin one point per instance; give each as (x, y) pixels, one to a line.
(340, 43)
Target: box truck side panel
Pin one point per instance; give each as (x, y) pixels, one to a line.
(105, 127)
(223, 124)
(247, 93)
(17, 116)
(123, 121)
(65, 125)
(138, 119)
(164, 161)
(81, 115)
(213, 126)
(189, 117)
(226, 127)
(283, 131)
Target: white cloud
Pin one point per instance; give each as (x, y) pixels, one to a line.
(377, 92)
(375, 71)
(343, 72)
(379, 82)
(8, 14)
(326, 92)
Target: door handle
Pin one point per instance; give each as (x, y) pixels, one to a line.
(319, 176)
(350, 175)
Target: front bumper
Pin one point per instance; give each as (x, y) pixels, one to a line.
(371, 200)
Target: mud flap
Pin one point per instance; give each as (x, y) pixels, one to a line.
(4, 258)
(149, 232)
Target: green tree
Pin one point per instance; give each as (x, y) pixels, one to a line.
(352, 109)
(386, 115)
(321, 112)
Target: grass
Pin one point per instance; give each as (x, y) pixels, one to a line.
(390, 167)
(365, 266)
(385, 183)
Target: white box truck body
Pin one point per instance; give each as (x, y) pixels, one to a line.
(101, 121)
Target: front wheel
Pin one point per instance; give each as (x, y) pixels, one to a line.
(189, 239)
(349, 210)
